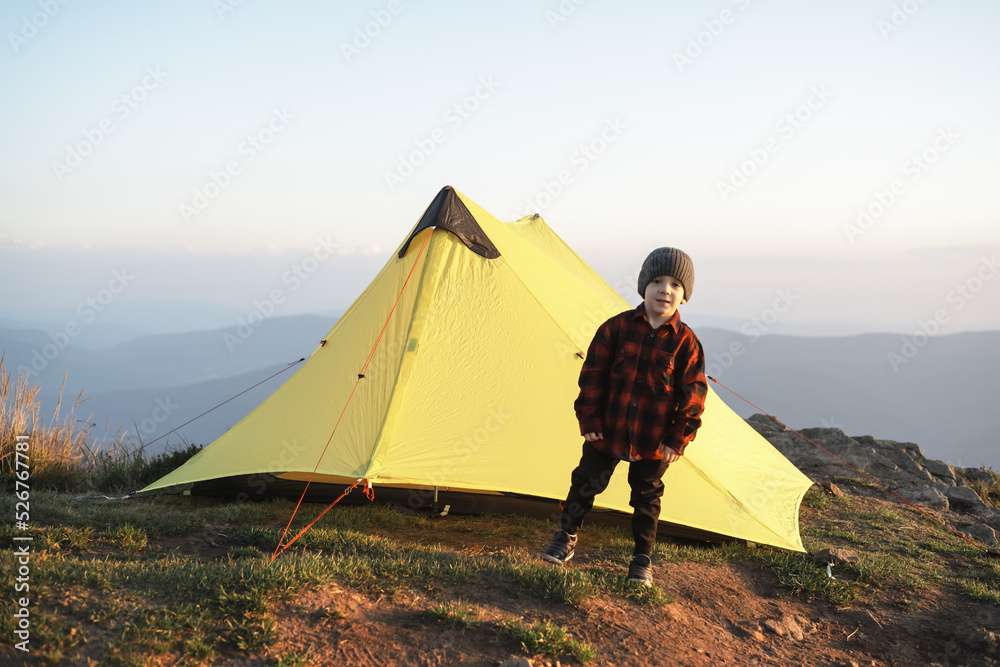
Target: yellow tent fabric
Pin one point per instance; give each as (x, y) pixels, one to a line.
(471, 386)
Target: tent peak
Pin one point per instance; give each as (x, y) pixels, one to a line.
(447, 211)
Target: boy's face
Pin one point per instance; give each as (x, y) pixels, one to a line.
(663, 295)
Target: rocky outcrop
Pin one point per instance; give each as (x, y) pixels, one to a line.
(897, 466)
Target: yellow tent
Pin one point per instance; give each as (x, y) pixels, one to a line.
(470, 342)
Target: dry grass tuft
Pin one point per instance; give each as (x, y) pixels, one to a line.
(60, 447)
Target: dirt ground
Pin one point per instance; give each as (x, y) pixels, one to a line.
(721, 615)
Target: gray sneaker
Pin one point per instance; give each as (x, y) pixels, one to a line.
(560, 549)
(640, 571)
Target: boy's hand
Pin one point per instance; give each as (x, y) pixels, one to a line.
(670, 454)
(591, 437)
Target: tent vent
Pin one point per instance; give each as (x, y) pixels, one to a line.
(448, 212)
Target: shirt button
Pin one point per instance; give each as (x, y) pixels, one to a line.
(634, 404)
(652, 335)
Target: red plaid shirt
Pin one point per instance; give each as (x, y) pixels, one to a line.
(643, 388)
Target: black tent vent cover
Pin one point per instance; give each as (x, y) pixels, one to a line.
(448, 212)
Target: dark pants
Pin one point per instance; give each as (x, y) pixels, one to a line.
(592, 477)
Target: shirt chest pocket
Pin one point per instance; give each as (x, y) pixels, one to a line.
(662, 372)
(626, 360)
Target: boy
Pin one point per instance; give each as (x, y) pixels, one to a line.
(642, 392)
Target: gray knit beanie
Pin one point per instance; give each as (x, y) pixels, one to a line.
(667, 262)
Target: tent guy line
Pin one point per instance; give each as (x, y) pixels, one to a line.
(290, 365)
(280, 549)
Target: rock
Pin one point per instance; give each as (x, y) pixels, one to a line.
(775, 627)
(894, 464)
(888, 462)
(942, 471)
(828, 437)
(818, 464)
(964, 499)
(794, 629)
(874, 464)
(806, 457)
(750, 630)
(861, 617)
(899, 466)
(784, 627)
(836, 556)
(980, 475)
(925, 495)
(765, 425)
(905, 455)
(893, 449)
(981, 533)
(832, 488)
(808, 627)
(516, 662)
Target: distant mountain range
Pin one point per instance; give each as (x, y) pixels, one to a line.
(940, 392)
(150, 384)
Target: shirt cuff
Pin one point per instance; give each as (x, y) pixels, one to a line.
(676, 446)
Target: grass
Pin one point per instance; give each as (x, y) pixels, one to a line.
(858, 481)
(545, 638)
(456, 613)
(382, 565)
(798, 574)
(983, 582)
(56, 445)
(537, 638)
(129, 539)
(61, 454)
(899, 550)
(988, 491)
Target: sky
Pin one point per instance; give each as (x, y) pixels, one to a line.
(828, 166)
